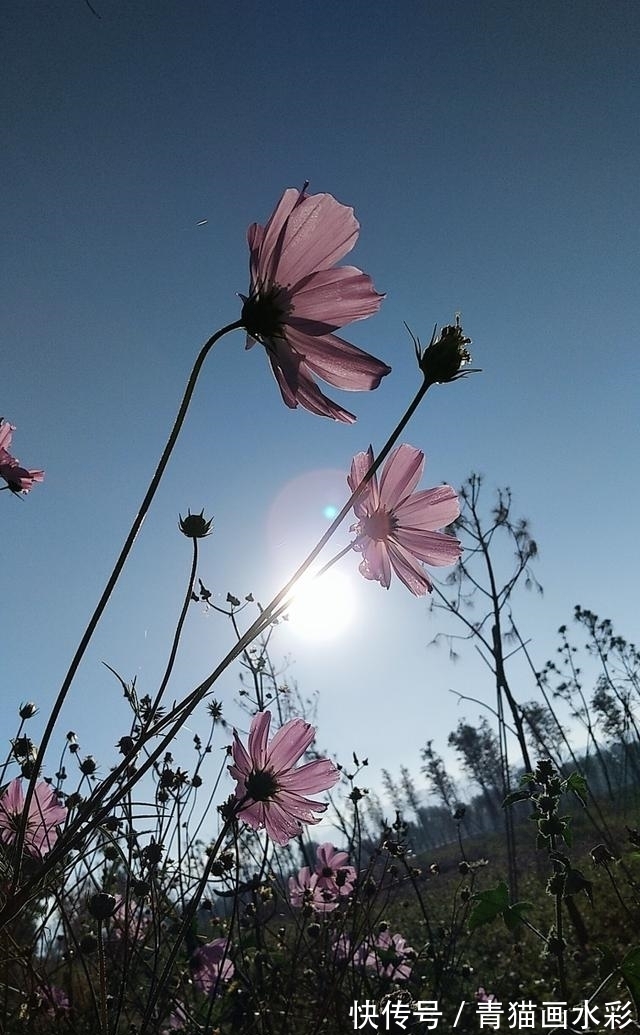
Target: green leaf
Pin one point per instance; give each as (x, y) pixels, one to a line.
(489, 905)
(577, 783)
(515, 914)
(515, 796)
(575, 881)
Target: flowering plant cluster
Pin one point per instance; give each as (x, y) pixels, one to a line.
(148, 898)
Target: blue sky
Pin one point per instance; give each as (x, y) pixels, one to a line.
(490, 150)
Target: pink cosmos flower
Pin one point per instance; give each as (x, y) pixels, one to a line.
(45, 814)
(334, 873)
(273, 790)
(346, 952)
(305, 890)
(297, 299)
(18, 478)
(391, 957)
(397, 526)
(211, 965)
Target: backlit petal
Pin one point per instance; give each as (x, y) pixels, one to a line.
(436, 548)
(370, 499)
(328, 299)
(430, 509)
(318, 233)
(400, 475)
(258, 737)
(338, 362)
(409, 570)
(289, 744)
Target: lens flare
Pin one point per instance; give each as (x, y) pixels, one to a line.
(322, 609)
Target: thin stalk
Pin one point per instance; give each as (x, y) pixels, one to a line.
(178, 633)
(104, 1020)
(188, 916)
(115, 575)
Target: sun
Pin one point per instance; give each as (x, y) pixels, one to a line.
(322, 608)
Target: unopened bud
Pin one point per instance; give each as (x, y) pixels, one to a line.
(102, 906)
(195, 526)
(445, 356)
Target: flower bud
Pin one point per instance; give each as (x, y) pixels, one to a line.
(445, 355)
(27, 710)
(102, 906)
(195, 526)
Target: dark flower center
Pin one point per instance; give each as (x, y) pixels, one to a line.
(265, 311)
(261, 785)
(378, 525)
(327, 871)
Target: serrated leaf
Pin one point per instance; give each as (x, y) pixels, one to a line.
(489, 905)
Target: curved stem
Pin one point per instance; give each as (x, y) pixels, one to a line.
(115, 575)
(178, 633)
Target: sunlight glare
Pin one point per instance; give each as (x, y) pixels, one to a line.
(323, 608)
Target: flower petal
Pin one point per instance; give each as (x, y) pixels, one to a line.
(6, 434)
(242, 760)
(289, 744)
(258, 737)
(400, 475)
(409, 570)
(280, 825)
(299, 807)
(369, 500)
(255, 237)
(375, 563)
(307, 394)
(317, 233)
(435, 548)
(430, 509)
(328, 299)
(310, 778)
(338, 362)
(269, 248)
